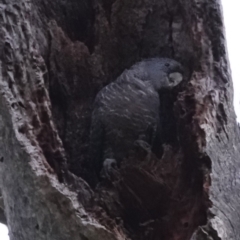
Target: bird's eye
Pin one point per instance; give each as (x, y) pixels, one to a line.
(167, 64)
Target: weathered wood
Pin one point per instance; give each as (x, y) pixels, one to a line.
(55, 56)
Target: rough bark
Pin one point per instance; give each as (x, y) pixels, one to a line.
(55, 56)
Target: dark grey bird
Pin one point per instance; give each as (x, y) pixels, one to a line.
(127, 110)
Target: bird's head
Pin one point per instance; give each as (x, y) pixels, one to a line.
(162, 73)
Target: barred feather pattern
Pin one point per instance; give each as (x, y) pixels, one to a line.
(124, 111)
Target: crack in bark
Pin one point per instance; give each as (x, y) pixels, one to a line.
(171, 17)
(172, 193)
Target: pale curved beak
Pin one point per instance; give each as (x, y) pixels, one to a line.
(175, 77)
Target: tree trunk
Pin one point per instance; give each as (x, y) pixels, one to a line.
(55, 57)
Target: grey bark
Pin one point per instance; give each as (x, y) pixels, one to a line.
(55, 56)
